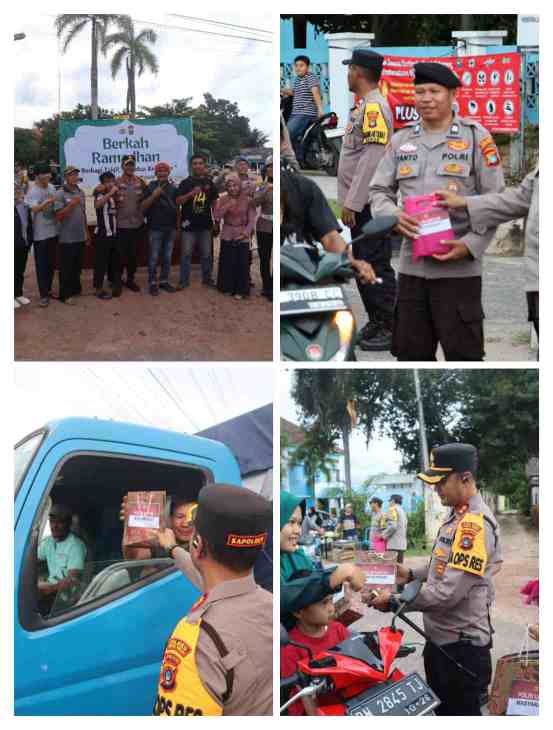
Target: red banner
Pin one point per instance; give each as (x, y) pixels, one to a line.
(490, 93)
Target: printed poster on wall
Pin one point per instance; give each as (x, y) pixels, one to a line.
(490, 91)
(100, 145)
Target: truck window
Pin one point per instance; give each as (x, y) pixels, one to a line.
(24, 453)
(79, 556)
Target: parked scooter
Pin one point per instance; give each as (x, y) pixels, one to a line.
(316, 321)
(318, 150)
(358, 676)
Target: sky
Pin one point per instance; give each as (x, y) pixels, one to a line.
(191, 63)
(380, 456)
(189, 399)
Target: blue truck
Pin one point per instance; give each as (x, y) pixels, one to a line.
(100, 652)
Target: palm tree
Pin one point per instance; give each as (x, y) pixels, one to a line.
(71, 25)
(133, 50)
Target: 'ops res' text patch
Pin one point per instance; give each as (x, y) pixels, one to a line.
(375, 129)
(247, 541)
(469, 547)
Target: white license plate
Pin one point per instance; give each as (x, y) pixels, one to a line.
(310, 301)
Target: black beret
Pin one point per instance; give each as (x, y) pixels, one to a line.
(435, 73)
(366, 58)
(128, 158)
(450, 458)
(233, 517)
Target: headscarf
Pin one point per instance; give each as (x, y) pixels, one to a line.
(298, 561)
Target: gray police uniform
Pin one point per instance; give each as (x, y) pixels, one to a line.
(495, 208)
(433, 305)
(396, 530)
(368, 133)
(455, 601)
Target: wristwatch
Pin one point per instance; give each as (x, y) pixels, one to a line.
(410, 576)
(170, 549)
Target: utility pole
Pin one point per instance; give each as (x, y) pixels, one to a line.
(433, 510)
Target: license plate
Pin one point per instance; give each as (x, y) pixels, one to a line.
(309, 301)
(409, 697)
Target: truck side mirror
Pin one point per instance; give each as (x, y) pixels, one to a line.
(284, 640)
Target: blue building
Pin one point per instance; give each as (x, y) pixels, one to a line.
(406, 485)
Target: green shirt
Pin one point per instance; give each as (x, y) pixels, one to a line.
(62, 557)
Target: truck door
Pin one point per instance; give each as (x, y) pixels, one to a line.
(98, 650)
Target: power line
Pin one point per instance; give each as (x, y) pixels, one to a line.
(200, 388)
(176, 393)
(167, 26)
(218, 22)
(171, 398)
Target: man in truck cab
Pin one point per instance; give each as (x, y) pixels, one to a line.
(64, 554)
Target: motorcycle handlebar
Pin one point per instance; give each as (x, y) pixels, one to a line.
(376, 228)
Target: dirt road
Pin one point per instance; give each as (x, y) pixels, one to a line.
(197, 324)
(510, 615)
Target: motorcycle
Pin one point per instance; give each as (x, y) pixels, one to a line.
(316, 321)
(318, 150)
(358, 677)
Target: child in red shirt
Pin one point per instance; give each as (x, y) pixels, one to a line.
(316, 629)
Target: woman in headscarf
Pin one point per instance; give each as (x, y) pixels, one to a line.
(298, 574)
(237, 212)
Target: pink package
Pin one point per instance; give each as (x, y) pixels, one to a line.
(434, 222)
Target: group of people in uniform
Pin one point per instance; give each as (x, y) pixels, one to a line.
(457, 583)
(435, 300)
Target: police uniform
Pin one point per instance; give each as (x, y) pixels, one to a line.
(218, 660)
(439, 301)
(458, 591)
(517, 202)
(367, 134)
(130, 222)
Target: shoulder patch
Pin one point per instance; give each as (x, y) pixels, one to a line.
(469, 552)
(375, 130)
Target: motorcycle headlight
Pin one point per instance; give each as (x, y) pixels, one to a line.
(345, 324)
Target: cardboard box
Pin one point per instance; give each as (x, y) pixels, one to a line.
(144, 513)
(380, 570)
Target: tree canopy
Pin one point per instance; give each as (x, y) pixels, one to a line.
(406, 29)
(496, 410)
(219, 128)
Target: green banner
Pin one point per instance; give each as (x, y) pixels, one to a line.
(97, 146)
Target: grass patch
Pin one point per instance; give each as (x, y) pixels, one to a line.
(522, 338)
(336, 209)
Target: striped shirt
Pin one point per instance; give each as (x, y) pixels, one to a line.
(304, 103)
(106, 218)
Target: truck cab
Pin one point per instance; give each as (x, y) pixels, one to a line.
(97, 650)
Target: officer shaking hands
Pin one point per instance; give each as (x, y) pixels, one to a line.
(219, 658)
(368, 132)
(458, 590)
(439, 297)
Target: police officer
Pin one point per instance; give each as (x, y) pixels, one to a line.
(495, 208)
(218, 660)
(367, 134)
(130, 219)
(440, 296)
(458, 590)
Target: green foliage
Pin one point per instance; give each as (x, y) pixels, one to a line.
(416, 533)
(221, 140)
(26, 146)
(315, 455)
(410, 29)
(496, 410)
